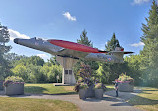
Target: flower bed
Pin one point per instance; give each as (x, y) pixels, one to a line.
(126, 83)
(85, 79)
(14, 85)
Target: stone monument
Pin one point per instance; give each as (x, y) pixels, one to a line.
(67, 75)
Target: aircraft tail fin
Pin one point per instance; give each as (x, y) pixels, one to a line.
(119, 52)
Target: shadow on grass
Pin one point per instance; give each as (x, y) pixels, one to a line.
(34, 89)
(132, 98)
(40, 90)
(138, 100)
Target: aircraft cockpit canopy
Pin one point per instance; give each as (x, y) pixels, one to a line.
(36, 38)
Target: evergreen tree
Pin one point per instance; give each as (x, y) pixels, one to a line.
(108, 72)
(112, 44)
(4, 38)
(150, 50)
(93, 64)
(84, 39)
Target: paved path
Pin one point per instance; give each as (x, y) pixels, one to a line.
(108, 103)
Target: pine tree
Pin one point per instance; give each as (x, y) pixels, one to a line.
(150, 50)
(93, 64)
(112, 44)
(84, 39)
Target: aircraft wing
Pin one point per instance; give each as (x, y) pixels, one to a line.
(72, 53)
(74, 49)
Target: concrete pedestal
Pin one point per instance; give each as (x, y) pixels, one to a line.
(67, 64)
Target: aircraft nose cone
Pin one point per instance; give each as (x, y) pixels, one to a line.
(16, 40)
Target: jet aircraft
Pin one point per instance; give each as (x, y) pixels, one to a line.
(73, 50)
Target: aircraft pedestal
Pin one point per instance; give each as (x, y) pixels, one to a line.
(67, 74)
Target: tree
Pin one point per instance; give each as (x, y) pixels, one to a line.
(93, 64)
(4, 65)
(108, 72)
(84, 39)
(134, 68)
(112, 44)
(34, 60)
(150, 50)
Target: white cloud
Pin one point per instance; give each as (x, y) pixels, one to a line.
(137, 44)
(42, 55)
(15, 34)
(69, 17)
(140, 1)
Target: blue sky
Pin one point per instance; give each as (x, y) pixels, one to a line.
(66, 19)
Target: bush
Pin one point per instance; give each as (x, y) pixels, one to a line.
(83, 86)
(100, 86)
(123, 77)
(13, 79)
(80, 85)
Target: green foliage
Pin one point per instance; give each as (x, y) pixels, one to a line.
(4, 65)
(135, 68)
(93, 64)
(85, 78)
(4, 38)
(14, 79)
(34, 60)
(112, 44)
(149, 53)
(124, 77)
(83, 85)
(99, 86)
(84, 39)
(33, 70)
(107, 72)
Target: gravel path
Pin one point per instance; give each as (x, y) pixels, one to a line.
(108, 103)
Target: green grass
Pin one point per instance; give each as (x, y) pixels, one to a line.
(147, 100)
(27, 104)
(51, 89)
(48, 89)
(109, 87)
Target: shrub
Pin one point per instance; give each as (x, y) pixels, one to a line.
(100, 86)
(83, 86)
(123, 77)
(80, 85)
(13, 79)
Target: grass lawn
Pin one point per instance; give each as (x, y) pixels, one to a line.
(27, 104)
(51, 89)
(147, 100)
(109, 87)
(48, 89)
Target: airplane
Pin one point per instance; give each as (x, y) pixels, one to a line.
(73, 50)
